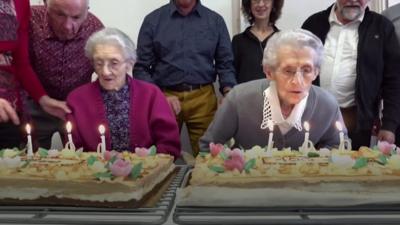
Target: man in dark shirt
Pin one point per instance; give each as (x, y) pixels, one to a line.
(182, 47)
(58, 33)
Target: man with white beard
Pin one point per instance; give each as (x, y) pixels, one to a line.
(360, 67)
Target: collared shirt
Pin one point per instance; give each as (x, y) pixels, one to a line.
(273, 109)
(338, 69)
(60, 65)
(175, 49)
(117, 113)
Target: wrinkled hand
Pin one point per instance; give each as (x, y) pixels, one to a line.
(175, 104)
(385, 135)
(7, 112)
(54, 107)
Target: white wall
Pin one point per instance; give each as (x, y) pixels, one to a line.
(128, 15)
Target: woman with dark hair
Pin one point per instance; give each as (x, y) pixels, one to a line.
(248, 47)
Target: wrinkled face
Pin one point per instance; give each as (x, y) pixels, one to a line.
(294, 73)
(261, 9)
(350, 10)
(110, 65)
(66, 17)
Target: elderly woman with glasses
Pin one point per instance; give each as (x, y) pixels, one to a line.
(286, 99)
(134, 113)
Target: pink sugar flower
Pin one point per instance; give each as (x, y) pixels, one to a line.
(142, 152)
(121, 168)
(215, 149)
(109, 154)
(385, 147)
(235, 160)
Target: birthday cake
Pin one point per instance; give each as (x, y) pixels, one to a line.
(70, 177)
(257, 177)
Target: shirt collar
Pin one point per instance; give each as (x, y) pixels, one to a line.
(198, 9)
(333, 18)
(294, 119)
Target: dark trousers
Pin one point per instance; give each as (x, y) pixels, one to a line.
(11, 136)
(358, 137)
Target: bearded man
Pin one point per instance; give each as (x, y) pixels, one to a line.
(360, 67)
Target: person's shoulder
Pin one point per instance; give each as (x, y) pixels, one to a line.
(319, 16)
(94, 21)
(392, 12)
(38, 13)
(155, 14)
(323, 96)
(81, 91)
(249, 89)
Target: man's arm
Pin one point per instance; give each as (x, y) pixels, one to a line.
(146, 53)
(224, 59)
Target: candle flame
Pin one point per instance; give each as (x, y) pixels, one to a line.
(102, 129)
(339, 126)
(306, 126)
(28, 128)
(68, 126)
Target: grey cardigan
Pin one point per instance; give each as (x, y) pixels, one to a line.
(240, 117)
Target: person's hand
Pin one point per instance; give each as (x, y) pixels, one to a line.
(175, 104)
(385, 135)
(7, 112)
(54, 107)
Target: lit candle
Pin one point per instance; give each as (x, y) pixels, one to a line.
(341, 135)
(68, 126)
(307, 134)
(29, 144)
(102, 130)
(271, 134)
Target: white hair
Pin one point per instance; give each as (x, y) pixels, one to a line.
(111, 36)
(297, 38)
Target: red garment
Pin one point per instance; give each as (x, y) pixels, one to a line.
(61, 66)
(15, 67)
(151, 121)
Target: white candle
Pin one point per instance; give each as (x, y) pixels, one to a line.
(341, 135)
(29, 144)
(102, 129)
(306, 135)
(68, 126)
(270, 136)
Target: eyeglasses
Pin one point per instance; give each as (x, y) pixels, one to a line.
(112, 65)
(290, 73)
(266, 2)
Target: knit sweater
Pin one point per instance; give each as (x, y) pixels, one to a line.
(151, 121)
(241, 114)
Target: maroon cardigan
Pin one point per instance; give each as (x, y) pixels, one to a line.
(151, 120)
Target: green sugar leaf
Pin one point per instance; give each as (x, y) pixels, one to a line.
(153, 150)
(43, 152)
(313, 154)
(203, 154)
(360, 163)
(137, 170)
(382, 159)
(249, 165)
(91, 160)
(217, 169)
(103, 175)
(223, 155)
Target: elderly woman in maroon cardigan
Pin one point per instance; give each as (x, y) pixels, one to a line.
(135, 113)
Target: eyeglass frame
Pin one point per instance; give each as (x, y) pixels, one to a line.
(109, 63)
(291, 74)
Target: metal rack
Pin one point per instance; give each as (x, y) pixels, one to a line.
(377, 215)
(88, 215)
(366, 214)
